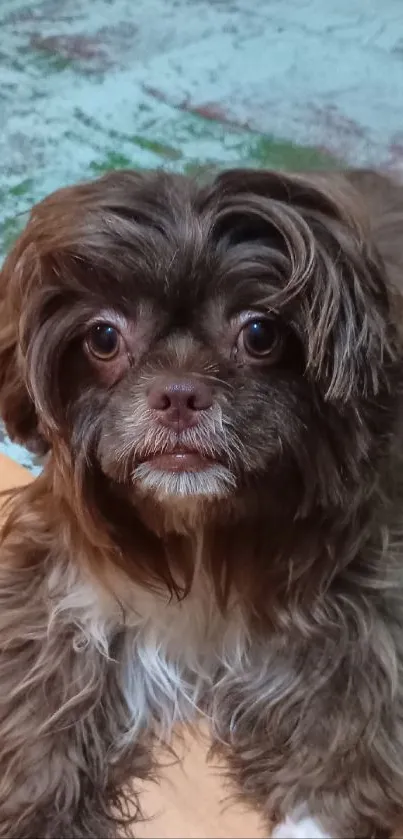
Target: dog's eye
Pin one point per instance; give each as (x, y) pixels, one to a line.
(103, 341)
(260, 338)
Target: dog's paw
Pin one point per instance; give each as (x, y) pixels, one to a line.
(304, 828)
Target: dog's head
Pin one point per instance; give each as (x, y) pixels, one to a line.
(229, 341)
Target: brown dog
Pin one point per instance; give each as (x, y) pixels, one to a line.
(216, 373)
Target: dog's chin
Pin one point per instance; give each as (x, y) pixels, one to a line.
(212, 482)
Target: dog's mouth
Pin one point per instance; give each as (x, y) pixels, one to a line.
(180, 460)
(182, 470)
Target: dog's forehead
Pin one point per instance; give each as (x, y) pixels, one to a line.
(185, 304)
(180, 280)
(171, 255)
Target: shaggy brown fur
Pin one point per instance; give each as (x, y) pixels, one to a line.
(263, 584)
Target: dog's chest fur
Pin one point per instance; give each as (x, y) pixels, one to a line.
(170, 652)
(174, 653)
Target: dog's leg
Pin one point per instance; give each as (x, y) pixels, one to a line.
(69, 775)
(68, 759)
(314, 743)
(316, 801)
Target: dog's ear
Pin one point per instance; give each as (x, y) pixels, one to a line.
(17, 409)
(334, 282)
(70, 223)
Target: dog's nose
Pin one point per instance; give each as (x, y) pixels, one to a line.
(179, 402)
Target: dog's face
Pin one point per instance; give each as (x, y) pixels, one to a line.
(208, 342)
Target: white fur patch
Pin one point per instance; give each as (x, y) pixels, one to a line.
(214, 482)
(172, 650)
(172, 654)
(304, 828)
